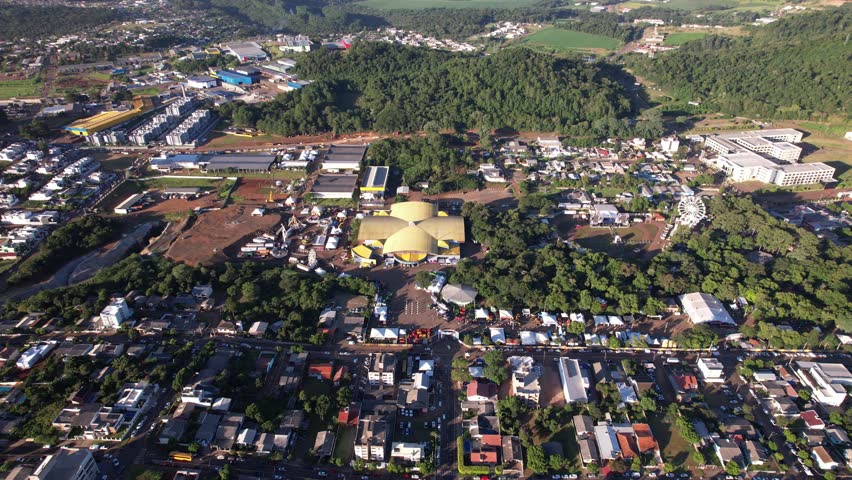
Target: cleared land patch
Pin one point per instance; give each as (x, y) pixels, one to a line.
(676, 39)
(562, 40)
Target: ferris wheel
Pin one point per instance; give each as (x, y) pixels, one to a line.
(692, 210)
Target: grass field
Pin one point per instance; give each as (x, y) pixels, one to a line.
(423, 4)
(676, 39)
(673, 447)
(219, 139)
(20, 88)
(562, 40)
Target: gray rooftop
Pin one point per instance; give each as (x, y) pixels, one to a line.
(256, 162)
(335, 183)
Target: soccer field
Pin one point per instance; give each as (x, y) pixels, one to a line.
(565, 40)
(423, 4)
(676, 39)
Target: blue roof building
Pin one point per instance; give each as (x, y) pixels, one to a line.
(235, 78)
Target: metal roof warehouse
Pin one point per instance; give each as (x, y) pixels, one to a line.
(244, 163)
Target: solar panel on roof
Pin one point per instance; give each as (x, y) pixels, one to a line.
(381, 175)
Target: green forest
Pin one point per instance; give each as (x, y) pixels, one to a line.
(394, 88)
(795, 68)
(18, 21)
(430, 159)
(785, 273)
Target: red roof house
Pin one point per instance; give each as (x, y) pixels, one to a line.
(481, 391)
(812, 420)
(321, 371)
(628, 446)
(645, 438)
(350, 415)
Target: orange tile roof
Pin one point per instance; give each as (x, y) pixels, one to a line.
(629, 449)
(323, 370)
(686, 381)
(491, 440)
(644, 437)
(485, 456)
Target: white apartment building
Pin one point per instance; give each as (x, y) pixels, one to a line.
(748, 166)
(711, 370)
(776, 143)
(525, 379)
(67, 464)
(803, 174)
(115, 313)
(382, 369)
(827, 381)
(371, 439)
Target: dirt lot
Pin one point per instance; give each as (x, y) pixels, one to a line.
(256, 191)
(214, 231)
(642, 236)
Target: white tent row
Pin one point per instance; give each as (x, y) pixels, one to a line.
(384, 333)
(534, 338)
(481, 314)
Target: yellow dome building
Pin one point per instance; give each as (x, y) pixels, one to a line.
(413, 232)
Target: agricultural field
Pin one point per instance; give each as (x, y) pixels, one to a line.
(677, 39)
(20, 88)
(422, 4)
(560, 40)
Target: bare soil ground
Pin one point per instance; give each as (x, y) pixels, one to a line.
(644, 237)
(256, 191)
(214, 231)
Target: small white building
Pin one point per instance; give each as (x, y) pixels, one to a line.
(200, 82)
(34, 355)
(409, 452)
(711, 370)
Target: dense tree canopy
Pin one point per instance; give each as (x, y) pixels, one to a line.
(17, 21)
(430, 159)
(794, 68)
(394, 88)
(784, 272)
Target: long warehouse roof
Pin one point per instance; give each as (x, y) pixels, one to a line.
(258, 161)
(103, 120)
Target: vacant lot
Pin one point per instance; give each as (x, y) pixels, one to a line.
(638, 239)
(420, 4)
(19, 88)
(214, 231)
(562, 40)
(683, 37)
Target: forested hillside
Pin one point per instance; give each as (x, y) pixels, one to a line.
(797, 67)
(393, 88)
(17, 21)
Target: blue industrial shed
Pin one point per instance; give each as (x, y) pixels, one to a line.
(235, 78)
